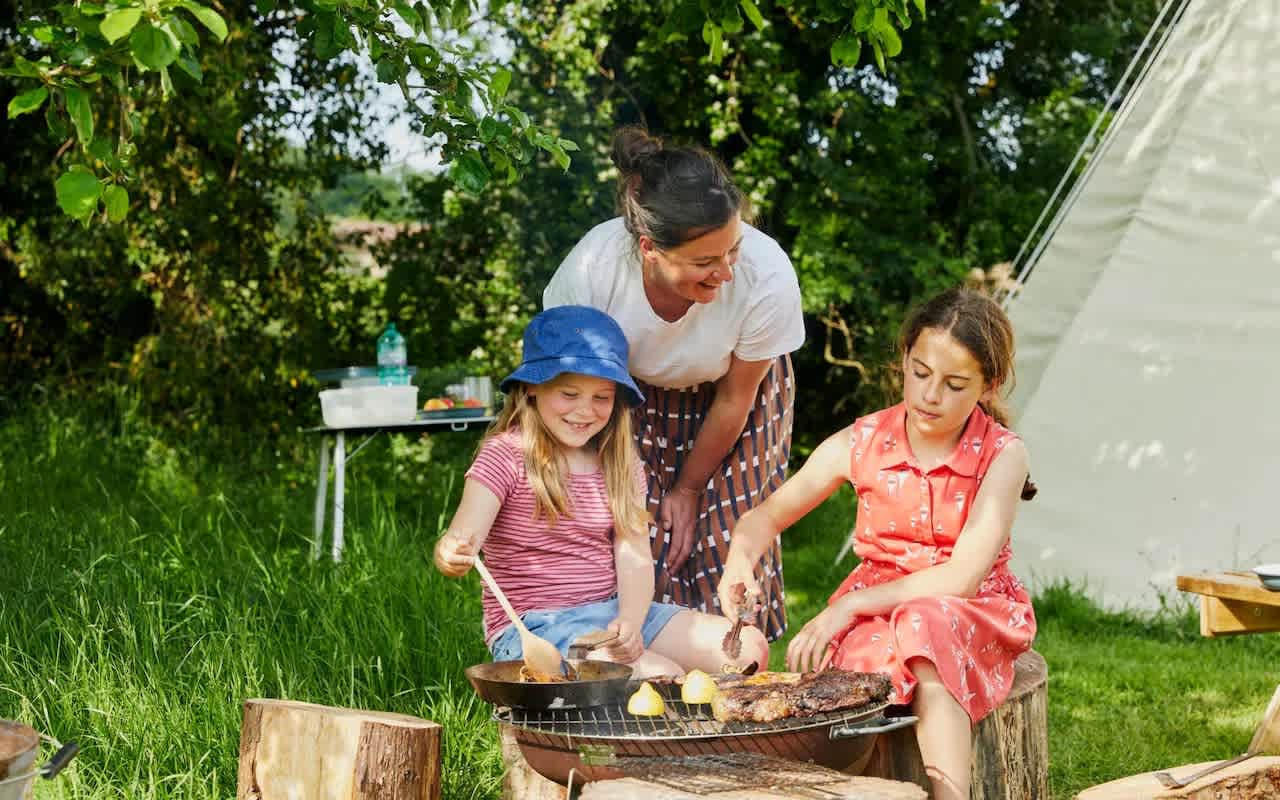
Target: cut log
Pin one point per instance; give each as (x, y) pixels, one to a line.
(290, 750)
(845, 789)
(1010, 745)
(19, 745)
(521, 782)
(1255, 779)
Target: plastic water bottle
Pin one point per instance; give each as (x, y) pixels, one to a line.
(393, 358)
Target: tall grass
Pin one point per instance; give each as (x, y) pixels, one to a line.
(153, 582)
(150, 589)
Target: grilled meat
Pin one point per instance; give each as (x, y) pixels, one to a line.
(813, 693)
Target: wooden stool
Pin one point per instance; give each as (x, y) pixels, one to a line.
(290, 749)
(1010, 745)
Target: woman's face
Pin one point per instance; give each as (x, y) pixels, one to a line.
(695, 270)
(574, 407)
(942, 382)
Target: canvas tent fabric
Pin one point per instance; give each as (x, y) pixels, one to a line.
(1148, 330)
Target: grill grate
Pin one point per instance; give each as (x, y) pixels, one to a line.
(709, 774)
(681, 721)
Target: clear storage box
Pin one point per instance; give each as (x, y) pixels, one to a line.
(367, 406)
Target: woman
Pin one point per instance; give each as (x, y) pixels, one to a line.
(711, 308)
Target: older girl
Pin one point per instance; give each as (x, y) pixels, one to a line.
(938, 479)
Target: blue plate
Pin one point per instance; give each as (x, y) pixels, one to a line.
(452, 413)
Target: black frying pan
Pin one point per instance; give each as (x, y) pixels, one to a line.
(599, 683)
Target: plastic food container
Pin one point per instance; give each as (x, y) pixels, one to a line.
(368, 406)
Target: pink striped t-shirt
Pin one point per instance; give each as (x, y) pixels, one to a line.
(539, 566)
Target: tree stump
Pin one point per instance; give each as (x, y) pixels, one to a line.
(1010, 746)
(290, 750)
(521, 782)
(1255, 779)
(19, 745)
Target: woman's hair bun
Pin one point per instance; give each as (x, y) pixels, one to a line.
(632, 146)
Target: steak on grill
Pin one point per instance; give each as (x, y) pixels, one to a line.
(813, 693)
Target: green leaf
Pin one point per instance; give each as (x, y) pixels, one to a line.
(190, 66)
(863, 18)
(753, 13)
(116, 199)
(81, 111)
(409, 15)
(27, 101)
(166, 82)
(21, 68)
(424, 14)
(265, 6)
(182, 31)
(116, 25)
(521, 118)
(561, 157)
(78, 191)
(920, 6)
(488, 129)
(388, 68)
(461, 14)
(846, 49)
(57, 124)
(732, 22)
(470, 173)
(892, 42)
(499, 83)
(568, 144)
(208, 17)
(881, 18)
(875, 46)
(152, 47)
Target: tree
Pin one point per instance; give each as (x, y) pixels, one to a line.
(94, 59)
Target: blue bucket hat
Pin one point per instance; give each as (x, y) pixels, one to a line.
(576, 339)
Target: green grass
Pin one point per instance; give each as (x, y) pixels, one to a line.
(152, 583)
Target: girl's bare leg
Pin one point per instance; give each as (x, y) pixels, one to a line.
(692, 639)
(648, 665)
(944, 733)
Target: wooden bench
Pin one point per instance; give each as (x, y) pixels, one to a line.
(1010, 749)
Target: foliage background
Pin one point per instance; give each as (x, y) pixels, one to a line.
(882, 186)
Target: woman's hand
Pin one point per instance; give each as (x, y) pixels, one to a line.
(628, 646)
(810, 649)
(454, 555)
(677, 514)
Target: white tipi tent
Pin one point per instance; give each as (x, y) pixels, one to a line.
(1148, 325)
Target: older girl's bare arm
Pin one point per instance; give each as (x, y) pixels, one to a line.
(456, 550)
(819, 478)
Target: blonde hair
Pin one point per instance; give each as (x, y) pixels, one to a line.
(545, 469)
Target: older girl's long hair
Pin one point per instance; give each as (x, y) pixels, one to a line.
(979, 324)
(545, 469)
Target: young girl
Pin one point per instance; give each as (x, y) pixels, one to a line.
(555, 498)
(938, 478)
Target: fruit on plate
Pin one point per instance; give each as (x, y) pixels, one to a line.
(646, 702)
(472, 402)
(437, 404)
(698, 687)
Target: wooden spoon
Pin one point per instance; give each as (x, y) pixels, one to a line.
(540, 656)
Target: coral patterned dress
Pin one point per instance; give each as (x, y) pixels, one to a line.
(909, 520)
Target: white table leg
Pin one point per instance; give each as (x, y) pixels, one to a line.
(339, 484)
(322, 489)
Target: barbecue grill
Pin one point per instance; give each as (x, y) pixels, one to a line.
(597, 743)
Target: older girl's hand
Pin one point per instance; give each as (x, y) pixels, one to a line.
(677, 514)
(737, 573)
(811, 647)
(454, 555)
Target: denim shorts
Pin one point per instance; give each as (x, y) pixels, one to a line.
(562, 626)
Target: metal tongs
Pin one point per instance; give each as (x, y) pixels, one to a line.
(732, 644)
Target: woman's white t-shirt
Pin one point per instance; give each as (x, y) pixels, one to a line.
(756, 316)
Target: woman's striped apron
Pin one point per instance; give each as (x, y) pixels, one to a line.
(665, 428)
